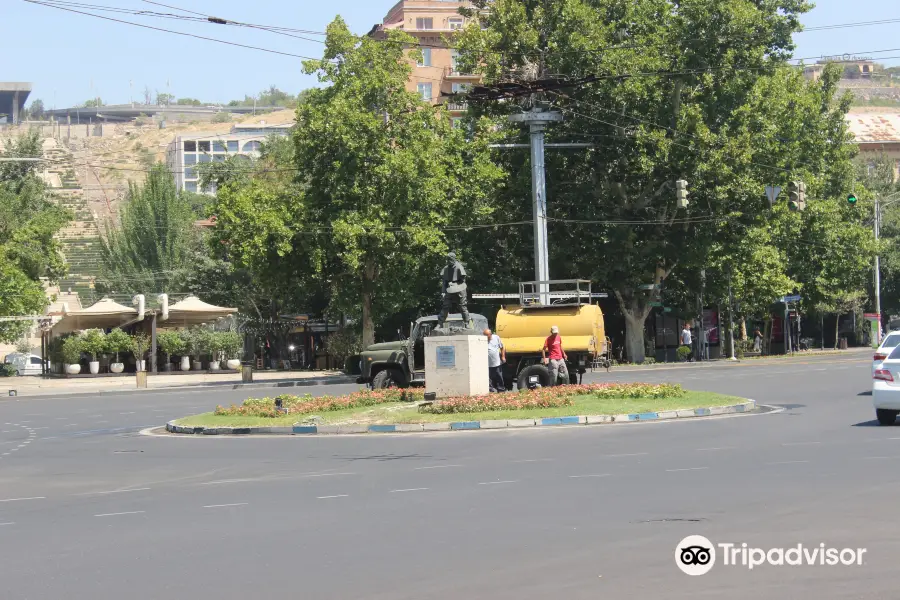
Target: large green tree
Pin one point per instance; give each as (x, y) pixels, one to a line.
(695, 89)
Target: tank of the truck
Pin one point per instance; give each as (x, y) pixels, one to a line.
(524, 329)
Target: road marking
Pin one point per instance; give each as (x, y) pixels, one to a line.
(582, 476)
(59, 419)
(335, 496)
(130, 512)
(113, 492)
(800, 443)
(436, 467)
(127, 413)
(495, 482)
(325, 474)
(94, 416)
(687, 469)
(71, 425)
(224, 505)
(408, 490)
(719, 448)
(876, 457)
(37, 428)
(529, 460)
(788, 462)
(2, 524)
(623, 455)
(23, 499)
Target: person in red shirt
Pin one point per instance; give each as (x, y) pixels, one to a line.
(557, 359)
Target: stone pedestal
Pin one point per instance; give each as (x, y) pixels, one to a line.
(456, 365)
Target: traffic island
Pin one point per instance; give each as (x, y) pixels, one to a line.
(404, 411)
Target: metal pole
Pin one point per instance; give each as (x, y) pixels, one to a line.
(786, 329)
(878, 264)
(539, 198)
(731, 319)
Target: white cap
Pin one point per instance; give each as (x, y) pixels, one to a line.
(554, 329)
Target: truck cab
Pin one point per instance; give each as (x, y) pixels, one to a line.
(402, 363)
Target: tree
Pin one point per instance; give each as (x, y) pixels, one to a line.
(188, 102)
(151, 247)
(36, 109)
(148, 95)
(29, 221)
(93, 103)
(665, 96)
(163, 99)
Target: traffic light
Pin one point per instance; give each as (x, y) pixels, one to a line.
(851, 199)
(796, 196)
(681, 193)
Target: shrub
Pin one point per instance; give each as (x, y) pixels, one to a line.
(170, 342)
(70, 351)
(682, 353)
(343, 344)
(93, 343)
(8, 370)
(140, 343)
(222, 116)
(24, 346)
(300, 405)
(232, 344)
(117, 341)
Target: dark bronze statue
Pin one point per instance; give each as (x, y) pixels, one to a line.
(453, 278)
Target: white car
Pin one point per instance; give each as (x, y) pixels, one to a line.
(886, 388)
(890, 341)
(26, 364)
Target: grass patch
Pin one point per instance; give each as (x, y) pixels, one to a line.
(585, 404)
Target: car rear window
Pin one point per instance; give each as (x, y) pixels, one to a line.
(895, 353)
(891, 341)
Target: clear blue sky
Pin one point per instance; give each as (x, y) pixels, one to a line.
(71, 57)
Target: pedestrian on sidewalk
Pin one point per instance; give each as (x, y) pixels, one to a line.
(557, 359)
(687, 340)
(496, 359)
(757, 340)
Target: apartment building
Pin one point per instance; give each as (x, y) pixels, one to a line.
(436, 75)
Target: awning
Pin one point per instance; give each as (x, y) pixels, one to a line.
(105, 314)
(194, 311)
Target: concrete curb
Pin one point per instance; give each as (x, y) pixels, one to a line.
(298, 429)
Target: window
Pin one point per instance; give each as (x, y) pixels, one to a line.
(424, 23)
(35, 360)
(203, 146)
(190, 159)
(218, 146)
(190, 146)
(891, 341)
(425, 91)
(190, 186)
(251, 147)
(895, 354)
(219, 158)
(232, 145)
(205, 158)
(460, 88)
(426, 58)
(454, 61)
(456, 23)
(190, 173)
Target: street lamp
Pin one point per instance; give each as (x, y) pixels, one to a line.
(879, 205)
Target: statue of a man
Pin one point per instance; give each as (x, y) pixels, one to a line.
(453, 277)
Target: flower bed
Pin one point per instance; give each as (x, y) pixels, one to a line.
(307, 404)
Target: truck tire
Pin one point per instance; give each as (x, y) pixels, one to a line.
(539, 371)
(387, 379)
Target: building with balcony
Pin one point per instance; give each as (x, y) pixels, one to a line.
(432, 23)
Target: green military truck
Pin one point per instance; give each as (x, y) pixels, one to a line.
(402, 363)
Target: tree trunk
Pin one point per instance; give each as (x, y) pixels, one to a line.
(743, 329)
(837, 330)
(368, 287)
(636, 313)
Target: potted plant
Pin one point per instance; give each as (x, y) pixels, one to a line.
(117, 341)
(187, 346)
(93, 344)
(214, 347)
(140, 343)
(171, 342)
(232, 346)
(198, 344)
(71, 354)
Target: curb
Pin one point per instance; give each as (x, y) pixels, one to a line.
(746, 407)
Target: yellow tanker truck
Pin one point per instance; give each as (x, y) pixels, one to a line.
(523, 328)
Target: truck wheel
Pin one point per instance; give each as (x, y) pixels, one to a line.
(386, 379)
(539, 371)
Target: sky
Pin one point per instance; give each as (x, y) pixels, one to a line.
(71, 57)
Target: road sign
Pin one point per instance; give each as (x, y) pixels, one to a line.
(667, 310)
(772, 193)
(649, 286)
(789, 299)
(871, 316)
(656, 304)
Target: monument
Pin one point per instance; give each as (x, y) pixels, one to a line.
(456, 358)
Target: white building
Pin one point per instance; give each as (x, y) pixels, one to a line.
(185, 152)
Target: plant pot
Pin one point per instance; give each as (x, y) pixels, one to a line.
(142, 365)
(94, 365)
(116, 367)
(73, 369)
(185, 363)
(234, 364)
(215, 366)
(197, 366)
(167, 367)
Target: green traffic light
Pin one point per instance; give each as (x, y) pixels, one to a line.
(851, 198)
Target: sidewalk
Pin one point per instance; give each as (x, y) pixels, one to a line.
(35, 385)
(796, 358)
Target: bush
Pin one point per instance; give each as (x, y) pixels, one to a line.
(8, 370)
(223, 116)
(93, 343)
(117, 341)
(140, 343)
(265, 407)
(170, 342)
(232, 344)
(24, 346)
(70, 352)
(343, 344)
(682, 353)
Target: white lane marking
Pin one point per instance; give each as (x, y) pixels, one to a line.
(324, 474)
(529, 460)
(335, 496)
(37, 428)
(102, 421)
(436, 467)
(23, 499)
(495, 482)
(877, 457)
(687, 469)
(407, 490)
(130, 512)
(127, 413)
(59, 419)
(788, 462)
(800, 443)
(94, 416)
(2, 524)
(719, 448)
(35, 415)
(583, 476)
(113, 492)
(71, 425)
(224, 505)
(623, 455)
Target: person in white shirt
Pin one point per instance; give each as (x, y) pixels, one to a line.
(687, 340)
(496, 358)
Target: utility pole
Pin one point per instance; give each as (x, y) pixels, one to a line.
(878, 263)
(731, 318)
(537, 122)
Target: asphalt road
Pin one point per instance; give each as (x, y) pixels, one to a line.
(92, 509)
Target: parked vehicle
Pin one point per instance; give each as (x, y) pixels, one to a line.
(402, 363)
(886, 388)
(26, 364)
(890, 341)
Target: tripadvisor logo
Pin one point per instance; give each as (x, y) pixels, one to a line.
(696, 555)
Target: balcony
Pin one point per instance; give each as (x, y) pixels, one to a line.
(457, 106)
(453, 73)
